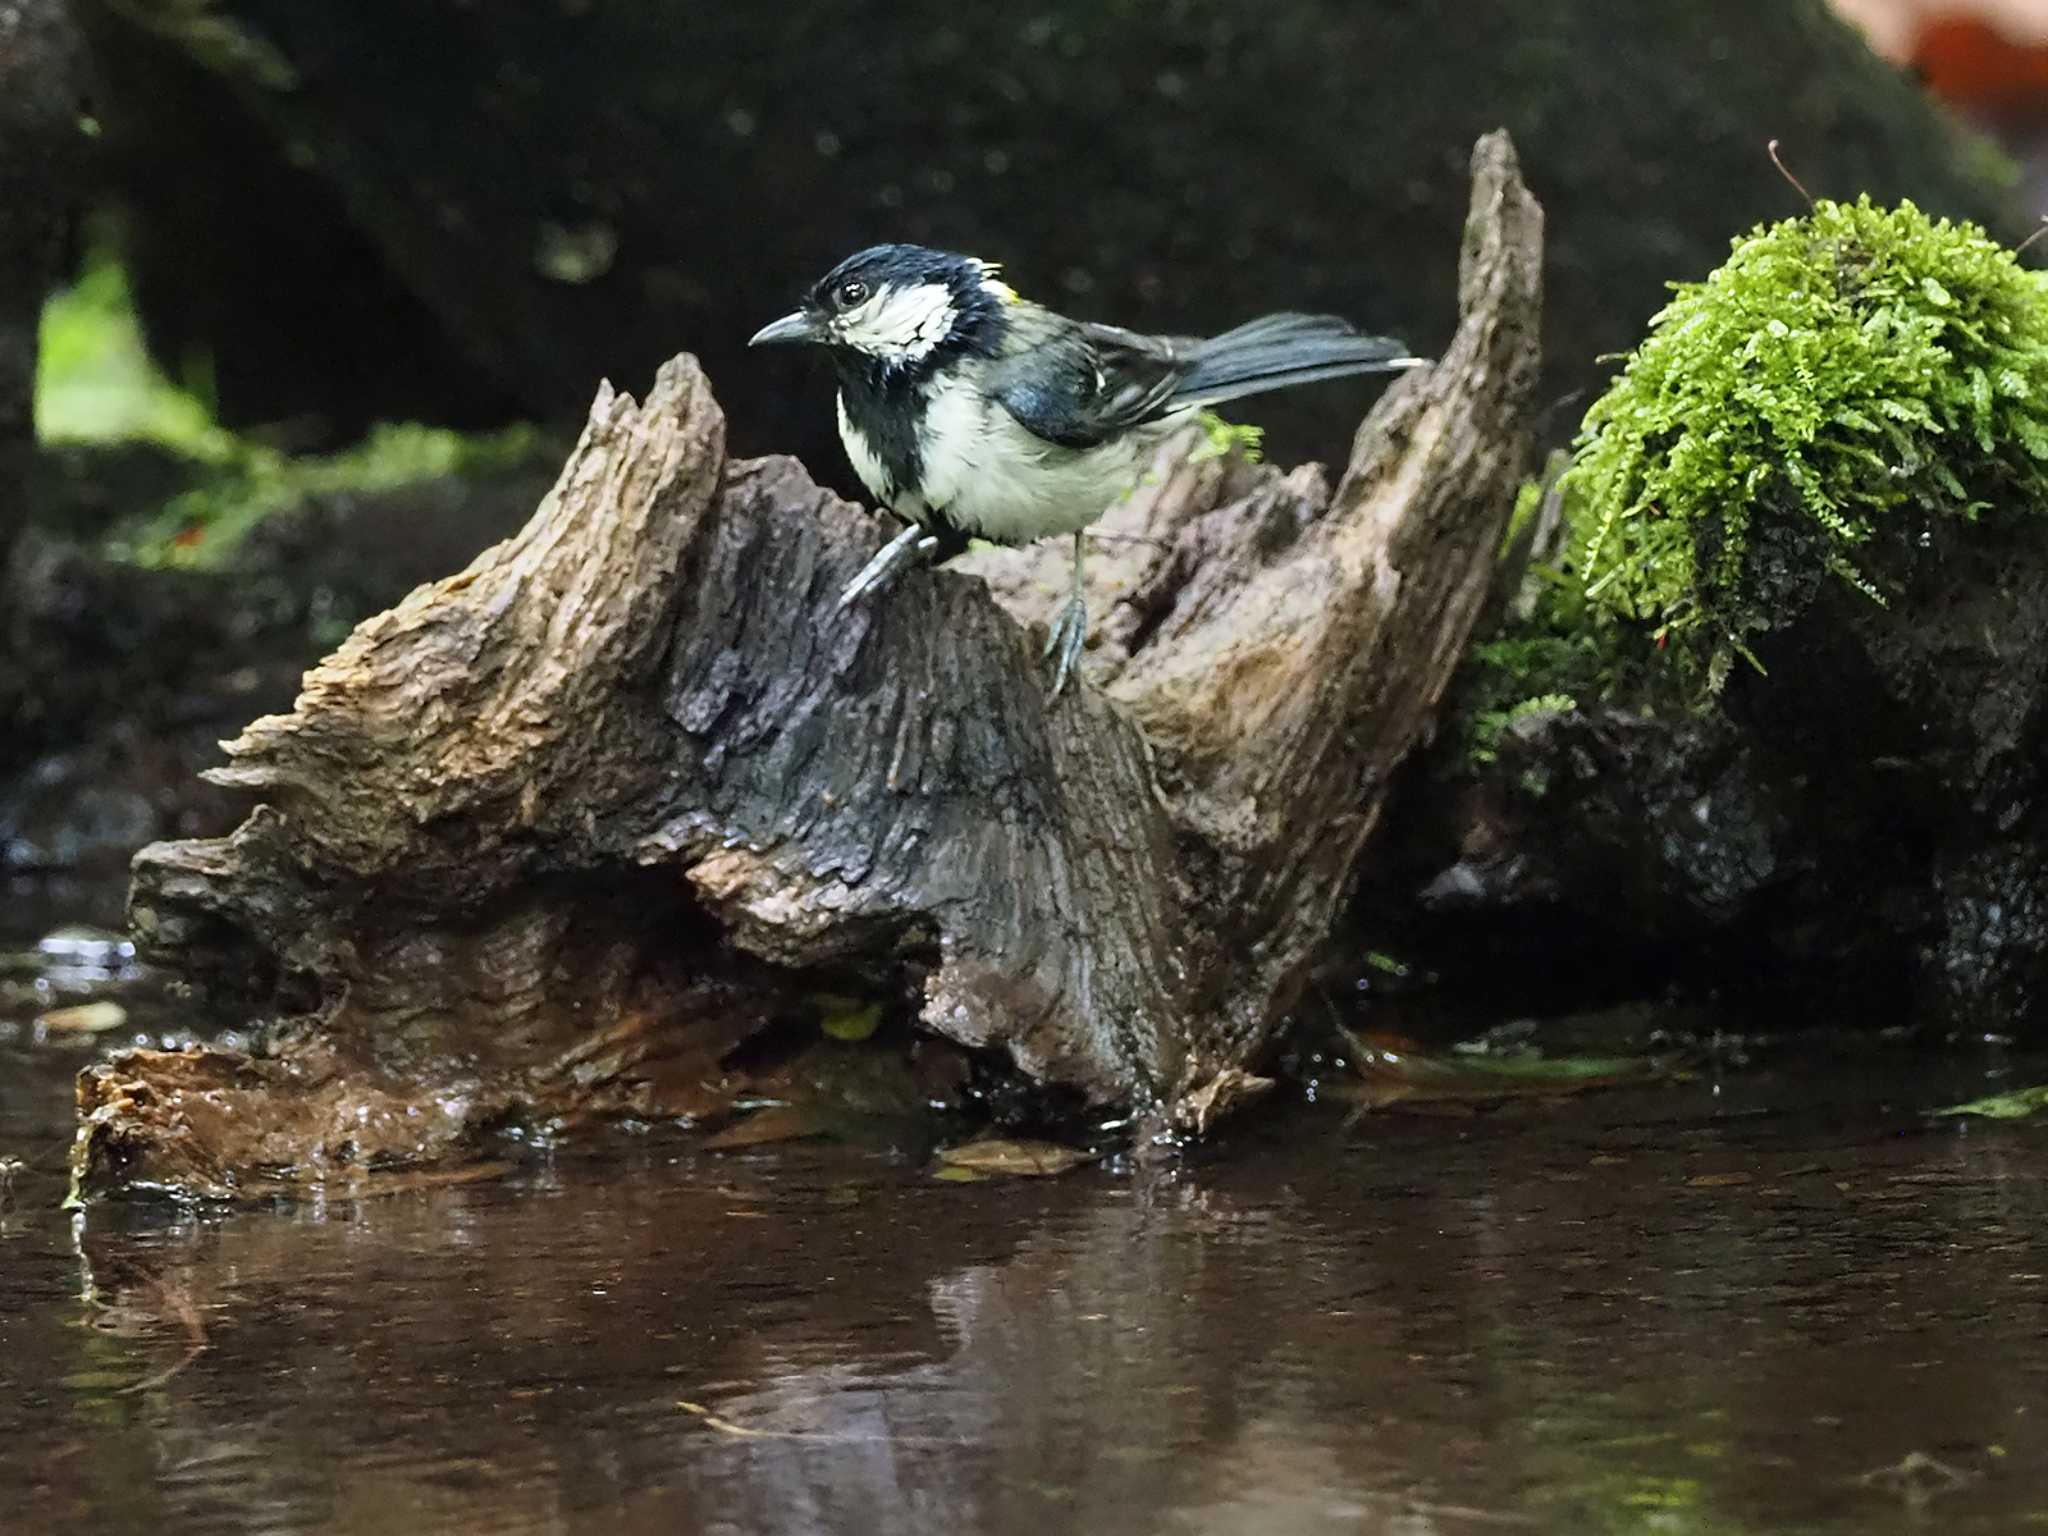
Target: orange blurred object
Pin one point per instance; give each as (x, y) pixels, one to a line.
(1892, 26)
(1968, 61)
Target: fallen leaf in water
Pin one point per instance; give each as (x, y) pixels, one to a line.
(1018, 1159)
(1393, 1072)
(85, 1019)
(2016, 1105)
(1555, 1073)
(850, 1021)
(767, 1127)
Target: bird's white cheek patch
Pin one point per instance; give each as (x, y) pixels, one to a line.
(901, 322)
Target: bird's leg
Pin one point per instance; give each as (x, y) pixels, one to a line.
(1069, 632)
(888, 563)
(915, 542)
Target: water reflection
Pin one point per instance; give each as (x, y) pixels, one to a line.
(1665, 1310)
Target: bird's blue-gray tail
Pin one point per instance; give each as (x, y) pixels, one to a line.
(1279, 351)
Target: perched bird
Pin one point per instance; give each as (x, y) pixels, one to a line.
(973, 413)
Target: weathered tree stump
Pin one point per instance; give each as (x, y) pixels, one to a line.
(556, 834)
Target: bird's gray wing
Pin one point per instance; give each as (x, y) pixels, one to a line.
(1079, 385)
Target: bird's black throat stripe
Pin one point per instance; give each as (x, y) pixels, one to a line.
(888, 412)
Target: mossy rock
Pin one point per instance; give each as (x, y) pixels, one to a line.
(1820, 484)
(1847, 387)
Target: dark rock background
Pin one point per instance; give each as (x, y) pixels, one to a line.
(118, 682)
(448, 210)
(1857, 835)
(41, 189)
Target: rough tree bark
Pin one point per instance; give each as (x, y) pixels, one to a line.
(557, 833)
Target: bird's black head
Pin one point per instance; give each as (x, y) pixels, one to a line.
(899, 309)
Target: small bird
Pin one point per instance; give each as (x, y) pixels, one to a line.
(973, 413)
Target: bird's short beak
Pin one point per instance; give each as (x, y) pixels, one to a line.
(790, 328)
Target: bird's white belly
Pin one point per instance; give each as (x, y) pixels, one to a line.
(992, 478)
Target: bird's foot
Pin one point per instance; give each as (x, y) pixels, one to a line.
(912, 544)
(1064, 642)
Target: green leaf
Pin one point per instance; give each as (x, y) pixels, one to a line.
(1222, 438)
(848, 1020)
(2017, 1105)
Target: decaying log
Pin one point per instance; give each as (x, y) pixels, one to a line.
(605, 802)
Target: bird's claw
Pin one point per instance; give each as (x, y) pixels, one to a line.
(887, 564)
(1065, 640)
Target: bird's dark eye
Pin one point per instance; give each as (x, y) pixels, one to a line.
(852, 292)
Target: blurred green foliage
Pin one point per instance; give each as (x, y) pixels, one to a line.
(96, 383)
(210, 35)
(204, 524)
(1556, 651)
